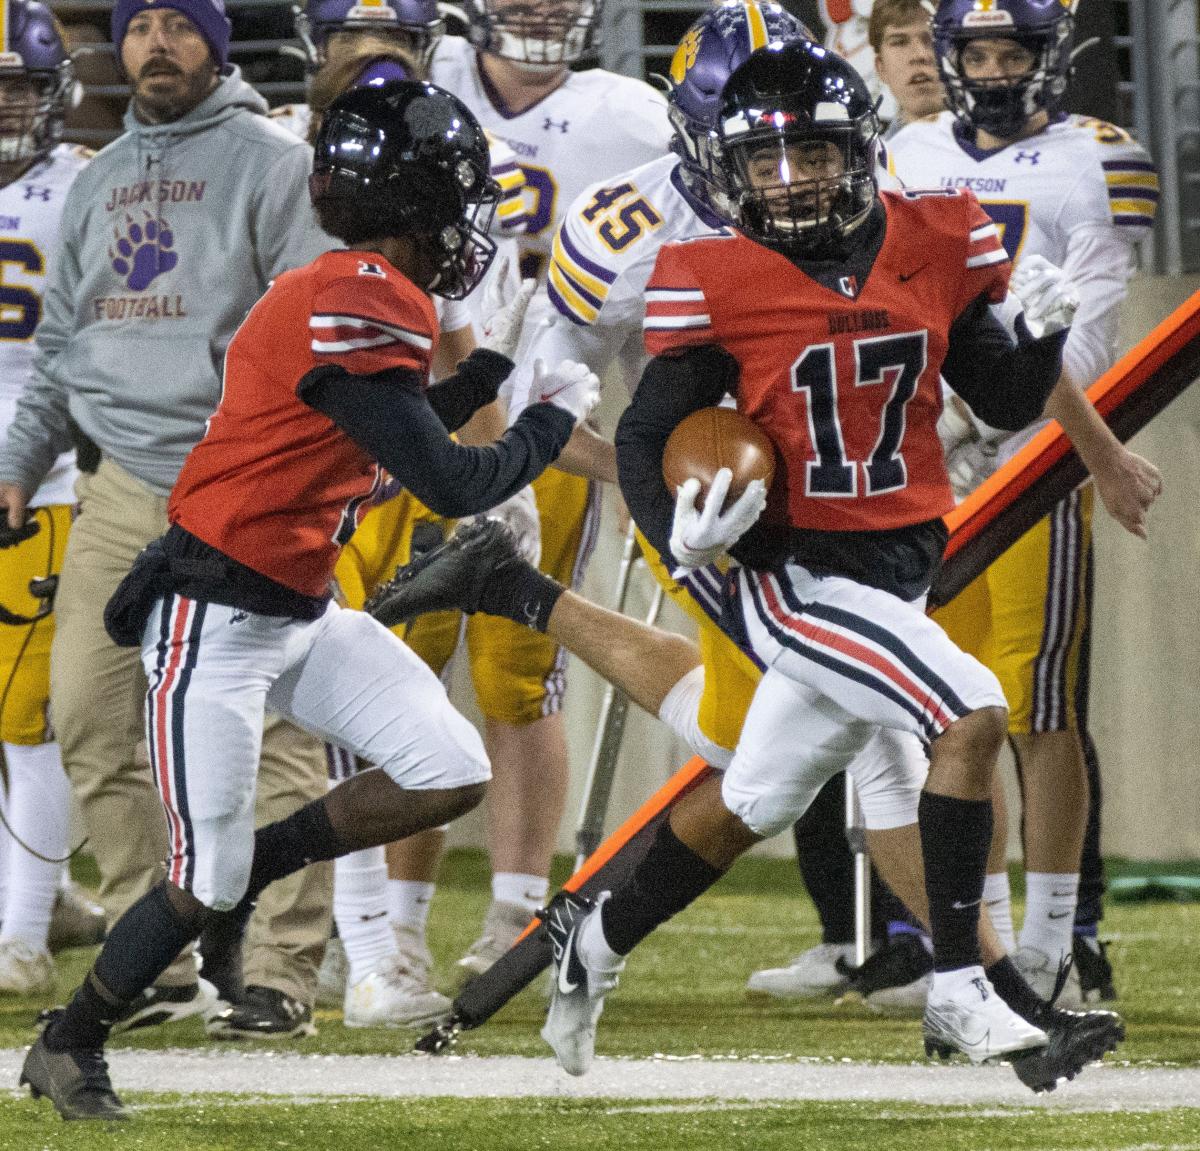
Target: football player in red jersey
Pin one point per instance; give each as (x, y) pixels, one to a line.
(829, 311)
(325, 381)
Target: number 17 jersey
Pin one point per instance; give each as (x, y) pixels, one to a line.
(843, 379)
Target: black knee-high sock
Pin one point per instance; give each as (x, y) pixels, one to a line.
(669, 877)
(955, 837)
(825, 862)
(1010, 985)
(288, 845)
(139, 948)
(280, 848)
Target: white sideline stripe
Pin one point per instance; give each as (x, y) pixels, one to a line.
(310, 1077)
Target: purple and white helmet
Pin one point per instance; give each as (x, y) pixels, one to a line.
(34, 52)
(538, 33)
(1002, 106)
(711, 50)
(416, 23)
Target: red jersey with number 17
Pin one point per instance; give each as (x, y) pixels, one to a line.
(274, 483)
(843, 380)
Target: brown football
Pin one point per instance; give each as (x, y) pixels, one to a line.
(715, 438)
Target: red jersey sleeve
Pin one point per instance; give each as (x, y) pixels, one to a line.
(987, 264)
(371, 322)
(676, 310)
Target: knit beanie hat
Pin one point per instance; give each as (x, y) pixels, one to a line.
(380, 71)
(208, 16)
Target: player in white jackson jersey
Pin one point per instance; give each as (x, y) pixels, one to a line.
(1080, 193)
(36, 85)
(567, 129)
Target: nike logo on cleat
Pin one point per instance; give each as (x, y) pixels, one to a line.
(965, 906)
(564, 982)
(1059, 914)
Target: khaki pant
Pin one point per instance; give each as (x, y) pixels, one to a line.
(97, 695)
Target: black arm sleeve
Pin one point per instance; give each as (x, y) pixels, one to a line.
(475, 385)
(1005, 384)
(671, 388)
(389, 417)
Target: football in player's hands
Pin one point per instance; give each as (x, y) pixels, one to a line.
(715, 438)
(700, 536)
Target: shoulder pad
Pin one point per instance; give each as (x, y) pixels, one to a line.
(604, 230)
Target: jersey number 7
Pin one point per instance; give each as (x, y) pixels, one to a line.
(896, 361)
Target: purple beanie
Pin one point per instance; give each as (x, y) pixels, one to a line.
(208, 16)
(380, 71)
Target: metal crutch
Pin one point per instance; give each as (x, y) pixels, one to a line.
(610, 727)
(856, 837)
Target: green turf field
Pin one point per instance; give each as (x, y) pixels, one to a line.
(681, 995)
(229, 1124)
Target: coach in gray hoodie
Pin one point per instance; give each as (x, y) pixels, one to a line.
(169, 237)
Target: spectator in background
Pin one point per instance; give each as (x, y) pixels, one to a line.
(900, 37)
(169, 237)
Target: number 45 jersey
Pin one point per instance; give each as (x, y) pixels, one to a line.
(842, 375)
(30, 214)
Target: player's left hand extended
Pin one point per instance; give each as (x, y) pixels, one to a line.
(521, 514)
(569, 385)
(1047, 298)
(504, 310)
(1127, 486)
(699, 537)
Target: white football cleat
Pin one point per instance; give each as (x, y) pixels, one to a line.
(502, 925)
(966, 1015)
(906, 1000)
(578, 991)
(331, 978)
(394, 995)
(1056, 983)
(813, 972)
(24, 970)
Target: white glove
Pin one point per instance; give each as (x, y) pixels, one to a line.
(954, 426)
(569, 385)
(1046, 296)
(504, 311)
(969, 465)
(521, 514)
(699, 537)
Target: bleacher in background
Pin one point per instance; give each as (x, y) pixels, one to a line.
(1157, 47)
(263, 47)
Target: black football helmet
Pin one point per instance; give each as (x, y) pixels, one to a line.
(415, 161)
(798, 146)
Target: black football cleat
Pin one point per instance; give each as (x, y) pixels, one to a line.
(263, 1013)
(75, 1081)
(1077, 1038)
(453, 576)
(895, 979)
(1094, 970)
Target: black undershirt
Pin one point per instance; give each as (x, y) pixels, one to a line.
(402, 425)
(1005, 383)
(396, 422)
